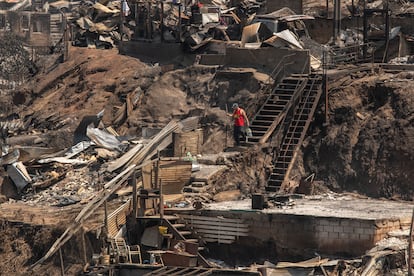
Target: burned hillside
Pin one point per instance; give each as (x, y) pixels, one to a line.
(118, 153)
(367, 144)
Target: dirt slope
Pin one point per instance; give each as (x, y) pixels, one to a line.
(368, 145)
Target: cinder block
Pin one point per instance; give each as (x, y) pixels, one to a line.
(324, 222)
(348, 229)
(359, 231)
(338, 229)
(365, 237)
(323, 235)
(328, 228)
(344, 236)
(333, 235)
(369, 231)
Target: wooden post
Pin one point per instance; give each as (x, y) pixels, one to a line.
(162, 21)
(325, 85)
(161, 203)
(62, 266)
(85, 259)
(157, 170)
(106, 225)
(133, 180)
(410, 247)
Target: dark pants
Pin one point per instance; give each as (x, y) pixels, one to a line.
(237, 132)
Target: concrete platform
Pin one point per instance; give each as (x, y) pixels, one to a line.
(331, 224)
(331, 205)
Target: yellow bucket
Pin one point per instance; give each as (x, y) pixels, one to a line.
(163, 230)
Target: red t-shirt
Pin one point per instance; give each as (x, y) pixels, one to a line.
(238, 117)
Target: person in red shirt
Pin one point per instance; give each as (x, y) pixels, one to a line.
(240, 121)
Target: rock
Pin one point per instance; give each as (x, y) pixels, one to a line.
(227, 196)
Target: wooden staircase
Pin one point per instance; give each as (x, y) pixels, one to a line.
(275, 108)
(294, 134)
(56, 29)
(181, 233)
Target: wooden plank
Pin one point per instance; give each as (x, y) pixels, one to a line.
(116, 164)
(224, 237)
(216, 224)
(191, 217)
(410, 247)
(220, 232)
(218, 240)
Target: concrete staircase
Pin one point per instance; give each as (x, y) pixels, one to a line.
(296, 127)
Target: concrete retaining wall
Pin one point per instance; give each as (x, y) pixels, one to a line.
(263, 59)
(274, 5)
(324, 235)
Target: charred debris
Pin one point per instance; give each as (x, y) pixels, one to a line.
(148, 176)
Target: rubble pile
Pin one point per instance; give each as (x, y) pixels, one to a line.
(96, 25)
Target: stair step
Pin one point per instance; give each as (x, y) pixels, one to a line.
(198, 184)
(265, 116)
(273, 189)
(263, 122)
(178, 225)
(192, 240)
(257, 133)
(185, 233)
(273, 105)
(255, 127)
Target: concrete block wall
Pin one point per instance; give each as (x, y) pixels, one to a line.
(323, 235)
(296, 61)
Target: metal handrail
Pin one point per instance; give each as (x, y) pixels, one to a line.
(275, 75)
(347, 54)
